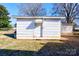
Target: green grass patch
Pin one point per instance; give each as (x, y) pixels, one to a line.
(5, 42)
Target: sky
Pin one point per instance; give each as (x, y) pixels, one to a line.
(13, 10)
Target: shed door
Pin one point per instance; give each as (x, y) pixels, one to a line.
(37, 30)
(51, 28)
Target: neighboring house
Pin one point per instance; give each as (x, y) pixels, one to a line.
(76, 28)
(66, 28)
(40, 27)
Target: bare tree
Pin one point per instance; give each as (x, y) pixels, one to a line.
(31, 9)
(69, 10)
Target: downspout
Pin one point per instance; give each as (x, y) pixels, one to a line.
(42, 28)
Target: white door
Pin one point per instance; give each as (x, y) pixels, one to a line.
(37, 30)
(51, 28)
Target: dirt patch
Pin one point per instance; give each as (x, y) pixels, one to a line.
(7, 32)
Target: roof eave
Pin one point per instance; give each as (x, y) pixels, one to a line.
(19, 17)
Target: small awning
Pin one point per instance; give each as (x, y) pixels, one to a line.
(38, 21)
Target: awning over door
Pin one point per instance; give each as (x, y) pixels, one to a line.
(38, 21)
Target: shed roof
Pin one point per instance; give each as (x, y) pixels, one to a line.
(39, 17)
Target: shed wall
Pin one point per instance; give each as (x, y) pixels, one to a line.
(26, 28)
(52, 28)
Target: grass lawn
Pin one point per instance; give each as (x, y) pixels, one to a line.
(0, 35)
(38, 47)
(23, 47)
(4, 40)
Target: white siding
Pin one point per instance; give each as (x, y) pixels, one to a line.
(25, 28)
(28, 28)
(51, 28)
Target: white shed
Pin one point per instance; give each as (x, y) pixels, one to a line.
(38, 27)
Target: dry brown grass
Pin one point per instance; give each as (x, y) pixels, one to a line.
(46, 46)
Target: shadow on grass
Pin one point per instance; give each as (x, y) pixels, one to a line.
(8, 52)
(49, 49)
(11, 35)
(58, 49)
